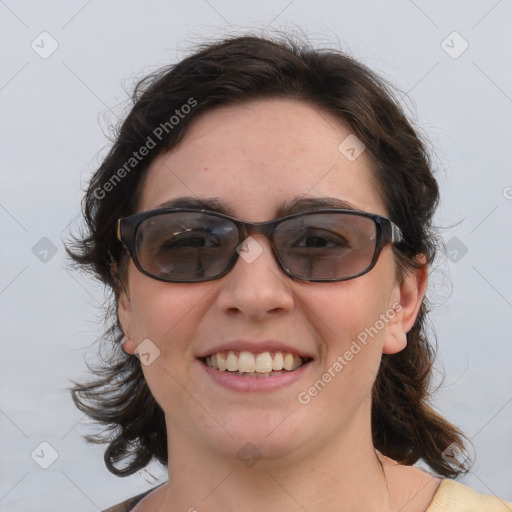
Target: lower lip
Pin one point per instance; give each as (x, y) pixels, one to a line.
(254, 384)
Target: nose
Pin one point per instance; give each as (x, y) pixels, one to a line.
(256, 287)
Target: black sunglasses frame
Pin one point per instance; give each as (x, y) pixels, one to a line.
(386, 232)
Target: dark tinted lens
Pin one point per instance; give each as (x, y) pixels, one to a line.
(185, 246)
(326, 245)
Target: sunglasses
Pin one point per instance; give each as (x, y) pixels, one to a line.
(184, 245)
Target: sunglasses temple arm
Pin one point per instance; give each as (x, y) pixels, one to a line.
(396, 234)
(119, 230)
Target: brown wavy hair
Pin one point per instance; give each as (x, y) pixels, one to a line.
(236, 70)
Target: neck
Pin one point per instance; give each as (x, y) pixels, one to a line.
(343, 474)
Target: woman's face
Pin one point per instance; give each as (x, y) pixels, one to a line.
(253, 158)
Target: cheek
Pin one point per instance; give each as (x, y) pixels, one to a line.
(166, 313)
(349, 322)
(347, 309)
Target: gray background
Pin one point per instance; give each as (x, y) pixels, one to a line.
(54, 112)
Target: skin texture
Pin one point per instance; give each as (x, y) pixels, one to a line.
(317, 456)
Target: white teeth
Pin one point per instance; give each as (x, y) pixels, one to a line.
(249, 363)
(264, 363)
(246, 362)
(288, 362)
(277, 363)
(232, 362)
(221, 361)
(297, 362)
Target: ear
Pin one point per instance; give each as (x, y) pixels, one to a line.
(126, 319)
(408, 299)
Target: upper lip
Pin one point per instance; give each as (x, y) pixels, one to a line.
(256, 347)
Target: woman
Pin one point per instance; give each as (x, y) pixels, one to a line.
(264, 222)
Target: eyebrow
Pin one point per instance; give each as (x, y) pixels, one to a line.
(294, 205)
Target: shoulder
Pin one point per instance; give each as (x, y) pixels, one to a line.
(130, 504)
(455, 497)
(413, 489)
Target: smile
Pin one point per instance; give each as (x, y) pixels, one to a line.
(248, 364)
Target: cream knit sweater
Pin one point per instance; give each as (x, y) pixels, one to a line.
(454, 497)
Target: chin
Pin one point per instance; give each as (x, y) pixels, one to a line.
(266, 435)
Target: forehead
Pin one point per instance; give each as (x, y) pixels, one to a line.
(257, 156)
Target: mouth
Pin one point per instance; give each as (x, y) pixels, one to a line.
(249, 364)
